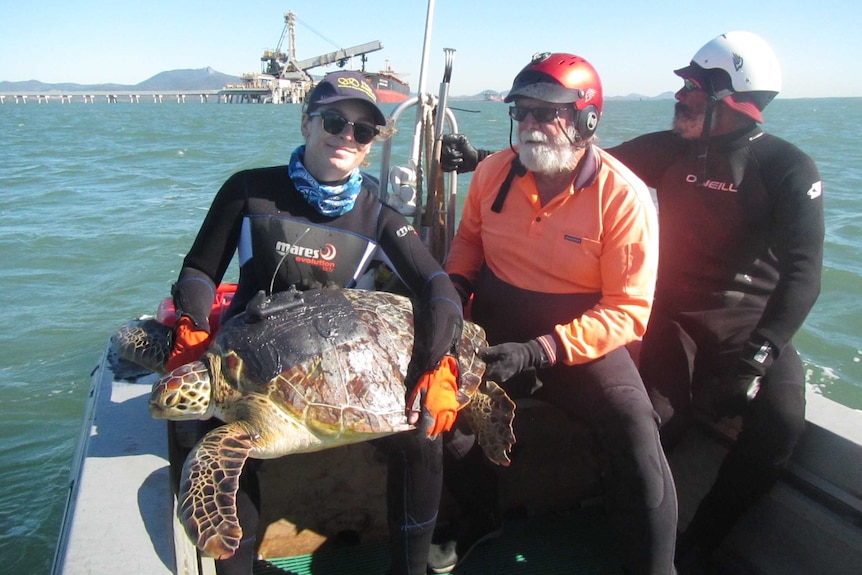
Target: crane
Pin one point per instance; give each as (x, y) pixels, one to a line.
(275, 62)
(341, 56)
(285, 65)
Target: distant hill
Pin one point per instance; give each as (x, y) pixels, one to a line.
(37, 86)
(173, 80)
(209, 79)
(484, 95)
(201, 79)
(501, 95)
(662, 96)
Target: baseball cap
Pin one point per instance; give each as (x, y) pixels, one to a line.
(345, 85)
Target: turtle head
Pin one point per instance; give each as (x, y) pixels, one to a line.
(183, 394)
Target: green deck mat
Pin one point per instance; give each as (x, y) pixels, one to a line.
(577, 544)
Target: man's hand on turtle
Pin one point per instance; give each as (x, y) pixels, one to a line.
(506, 360)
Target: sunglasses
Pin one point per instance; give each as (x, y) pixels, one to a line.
(690, 85)
(540, 115)
(334, 123)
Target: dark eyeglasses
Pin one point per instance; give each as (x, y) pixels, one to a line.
(540, 115)
(334, 123)
(690, 85)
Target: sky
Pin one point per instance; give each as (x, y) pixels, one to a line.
(634, 45)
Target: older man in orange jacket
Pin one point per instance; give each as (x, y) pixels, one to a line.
(557, 247)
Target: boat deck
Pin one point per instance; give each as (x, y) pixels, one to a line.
(575, 543)
(793, 531)
(324, 513)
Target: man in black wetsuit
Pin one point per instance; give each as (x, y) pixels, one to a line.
(740, 255)
(317, 222)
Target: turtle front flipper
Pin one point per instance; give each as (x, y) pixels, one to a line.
(490, 415)
(144, 342)
(208, 488)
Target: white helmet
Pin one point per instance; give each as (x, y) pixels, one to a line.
(748, 60)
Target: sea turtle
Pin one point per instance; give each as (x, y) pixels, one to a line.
(298, 372)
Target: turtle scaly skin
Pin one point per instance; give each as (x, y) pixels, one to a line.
(300, 372)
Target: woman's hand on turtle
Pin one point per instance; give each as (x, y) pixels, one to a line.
(190, 343)
(438, 389)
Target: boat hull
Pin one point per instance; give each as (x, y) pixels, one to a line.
(120, 515)
(389, 88)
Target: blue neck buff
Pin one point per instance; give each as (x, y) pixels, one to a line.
(328, 200)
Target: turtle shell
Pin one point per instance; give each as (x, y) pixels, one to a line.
(335, 360)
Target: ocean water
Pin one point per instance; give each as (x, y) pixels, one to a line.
(99, 202)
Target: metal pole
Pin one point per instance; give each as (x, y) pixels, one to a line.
(435, 216)
(422, 113)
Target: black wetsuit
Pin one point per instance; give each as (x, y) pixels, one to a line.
(282, 241)
(741, 247)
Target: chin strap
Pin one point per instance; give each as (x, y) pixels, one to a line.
(705, 133)
(714, 95)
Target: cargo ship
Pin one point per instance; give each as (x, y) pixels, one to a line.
(388, 86)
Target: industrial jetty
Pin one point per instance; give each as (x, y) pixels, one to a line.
(284, 79)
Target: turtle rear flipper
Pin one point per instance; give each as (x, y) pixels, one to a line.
(490, 415)
(208, 488)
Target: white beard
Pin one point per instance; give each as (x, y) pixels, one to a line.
(544, 156)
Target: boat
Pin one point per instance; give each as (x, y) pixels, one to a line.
(388, 86)
(324, 512)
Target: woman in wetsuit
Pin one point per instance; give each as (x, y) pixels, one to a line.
(317, 222)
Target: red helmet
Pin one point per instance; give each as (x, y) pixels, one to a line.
(562, 79)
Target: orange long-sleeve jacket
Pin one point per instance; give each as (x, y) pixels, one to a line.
(601, 239)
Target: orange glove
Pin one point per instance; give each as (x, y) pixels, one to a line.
(190, 343)
(440, 388)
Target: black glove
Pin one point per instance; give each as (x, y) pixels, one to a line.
(507, 360)
(458, 154)
(742, 386)
(463, 287)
